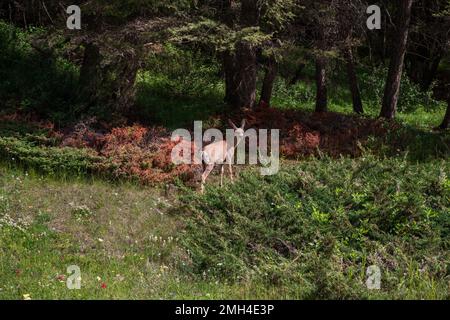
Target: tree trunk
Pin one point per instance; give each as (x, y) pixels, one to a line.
(240, 76)
(241, 65)
(353, 81)
(269, 79)
(392, 89)
(90, 73)
(446, 122)
(97, 86)
(321, 96)
(229, 70)
(246, 75)
(224, 8)
(125, 89)
(250, 12)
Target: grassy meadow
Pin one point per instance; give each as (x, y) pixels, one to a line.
(308, 232)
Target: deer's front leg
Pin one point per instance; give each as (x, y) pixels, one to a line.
(222, 169)
(230, 169)
(205, 175)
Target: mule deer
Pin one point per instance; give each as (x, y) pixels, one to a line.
(221, 152)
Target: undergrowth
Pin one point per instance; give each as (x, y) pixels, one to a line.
(314, 228)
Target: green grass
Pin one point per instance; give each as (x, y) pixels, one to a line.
(128, 241)
(308, 232)
(42, 234)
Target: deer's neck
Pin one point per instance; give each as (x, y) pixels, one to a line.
(233, 146)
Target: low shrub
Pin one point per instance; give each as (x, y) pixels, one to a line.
(315, 227)
(51, 160)
(411, 96)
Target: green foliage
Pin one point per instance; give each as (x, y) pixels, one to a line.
(121, 11)
(21, 130)
(186, 73)
(411, 97)
(418, 145)
(277, 14)
(47, 159)
(417, 109)
(33, 147)
(301, 95)
(315, 227)
(209, 34)
(181, 87)
(32, 82)
(82, 212)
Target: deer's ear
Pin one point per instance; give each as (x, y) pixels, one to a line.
(232, 124)
(243, 124)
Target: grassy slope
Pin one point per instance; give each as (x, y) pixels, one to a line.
(108, 231)
(314, 228)
(121, 235)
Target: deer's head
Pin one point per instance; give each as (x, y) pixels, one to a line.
(238, 131)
